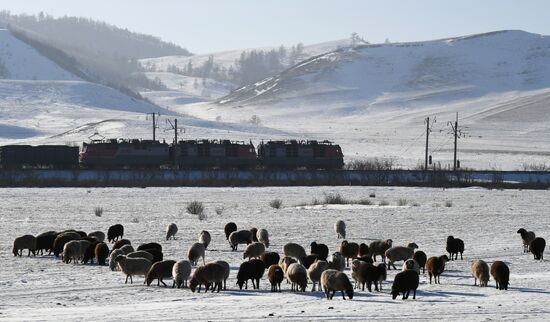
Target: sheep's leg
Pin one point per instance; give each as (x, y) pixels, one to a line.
(407, 294)
(430, 274)
(258, 283)
(475, 282)
(126, 279)
(392, 264)
(460, 255)
(343, 295)
(332, 294)
(163, 282)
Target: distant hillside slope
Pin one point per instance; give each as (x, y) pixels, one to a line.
(20, 61)
(405, 74)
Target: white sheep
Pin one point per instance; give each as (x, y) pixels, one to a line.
(297, 275)
(314, 272)
(71, 251)
(195, 252)
(171, 231)
(338, 262)
(480, 271)
(112, 263)
(133, 266)
(181, 272)
(263, 237)
(254, 250)
(204, 238)
(340, 229)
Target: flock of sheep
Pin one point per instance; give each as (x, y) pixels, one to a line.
(296, 266)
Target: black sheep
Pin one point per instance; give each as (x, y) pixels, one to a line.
(115, 232)
(89, 253)
(250, 270)
(537, 247)
(454, 246)
(421, 258)
(404, 282)
(270, 258)
(44, 242)
(321, 250)
(157, 255)
(146, 246)
(229, 228)
(308, 260)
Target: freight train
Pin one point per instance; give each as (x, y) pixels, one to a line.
(186, 154)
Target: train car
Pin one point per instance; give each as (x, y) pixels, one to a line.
(121, 154)
(200, 154)
(294, 154)
(40, 156)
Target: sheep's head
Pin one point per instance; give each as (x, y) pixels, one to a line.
(389, 242)
(245, 254)
(412, 245)
(119, 258)
(521, 231)
(450, 238)
(240, 283)
(445, 258)
(193, 283)
(394, 294)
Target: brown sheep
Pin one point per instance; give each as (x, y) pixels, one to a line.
(333, 280)
(158, 271)
(275, 275)
(379, 247)
(436, 266)
(119, 243)
(501, 275)
(211, 274)
(270, 258)
(321, 250)
(101, 253)
(349, 250)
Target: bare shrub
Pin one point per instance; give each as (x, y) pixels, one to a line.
(402, 202)
(372, 195)
(98, 211)
(364, 201)
(535, 167)
(416, 204)
(371, 164)
(383, 203)
(195, 208)
(219, 210)
(276, 203)
(335, 199)
(448, 203)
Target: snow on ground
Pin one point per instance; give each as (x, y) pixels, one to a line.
(43, 288)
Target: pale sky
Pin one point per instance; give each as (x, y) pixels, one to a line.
(204, 26)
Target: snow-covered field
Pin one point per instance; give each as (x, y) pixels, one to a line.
(43, 288)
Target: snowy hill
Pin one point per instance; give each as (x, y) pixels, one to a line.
(20, 61)
(373, 99)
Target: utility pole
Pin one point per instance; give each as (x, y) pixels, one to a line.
(427, 121)
(456, 139)
(458, 133)
(428, 130)
(155, 120)
(176, 154)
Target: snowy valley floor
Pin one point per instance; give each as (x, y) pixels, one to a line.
(43, 288)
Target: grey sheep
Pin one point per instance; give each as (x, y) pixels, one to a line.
(379, 247)
(195, 252)
(263, 237)
(171, 231)
(112, 263)
(333, 280)
(527, 237)
(140, 254)
(294, 250)
(254, 250)
(240, 237)
(158, 271)
(211, 274)
(133, 266)
(480, 271)
(399, 253)
(337, 262)
(340, 229)
(24, 242)
(314, 272)
(127, 249)
(99, 235)
(297, 275)
(181, 272)
(205, 238)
